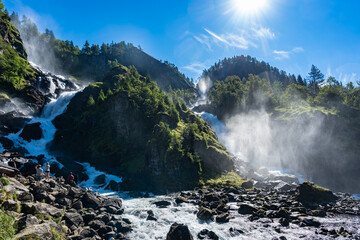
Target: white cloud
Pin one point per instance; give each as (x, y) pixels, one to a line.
(263, 33)
(195, 67)
(280, 54)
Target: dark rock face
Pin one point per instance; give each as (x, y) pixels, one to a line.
(31, 132)
(12, 122)
(179, 232)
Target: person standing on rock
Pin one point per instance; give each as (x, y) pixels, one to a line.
(71, 179)
(47, 170)
(39, 174)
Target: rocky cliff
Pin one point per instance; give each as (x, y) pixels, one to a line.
(127, 126)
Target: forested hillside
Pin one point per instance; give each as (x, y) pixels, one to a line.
(91, 62)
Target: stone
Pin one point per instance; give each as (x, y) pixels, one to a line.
(309, 193)
(248, 184)
(11, 205)
(222, 218)
(32, 132)
(100, 180)
(123, 227)
(284, 222)
(204, 213)
(37, 231)
(235, 232)
(25, 197)
(73, 218)
(162, 204)
(77, 205)
(113, 202)
(310, 222)
(27, 221)
(206, 234)
(89, 200)
(151, 216)
(96, 224)
(181, 199)
(87, 233)
(88, 217)
(246, 209)
(179, 232)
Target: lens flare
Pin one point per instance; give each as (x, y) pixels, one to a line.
(249, 7)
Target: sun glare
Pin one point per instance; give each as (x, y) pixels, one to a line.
(249, 7)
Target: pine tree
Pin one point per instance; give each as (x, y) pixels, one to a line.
(300, 81)
(315, 78)
(86, 48)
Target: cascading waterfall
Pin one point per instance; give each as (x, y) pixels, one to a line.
(49, 113)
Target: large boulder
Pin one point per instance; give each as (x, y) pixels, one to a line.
(36, 231)
(204, 214)
(179, 232)
(310, 193)
(32, 132)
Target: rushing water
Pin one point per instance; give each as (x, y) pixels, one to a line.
(49, 113)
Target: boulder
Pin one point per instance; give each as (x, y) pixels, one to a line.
(248, 184)
(32, 131)
(89, 200)
(310, 222)
(222, 218)
(123, 226)
(204, 213)
(11, 205)
(113, 202)
(27, 221)
(162, 203)
(246, 208)
(181, 199)
(100, 180)
(37, 231)
(73, 218)
(77, 205)
(206, 234)
(179, 232)
(25, 197)
(87, 233)
(310, 193)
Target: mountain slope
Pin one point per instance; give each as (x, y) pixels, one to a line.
(127, 126)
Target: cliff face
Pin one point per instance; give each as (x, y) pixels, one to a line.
(137, 132)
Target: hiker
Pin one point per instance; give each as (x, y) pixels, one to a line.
(71, 179)
(39, 174)
(47, 170)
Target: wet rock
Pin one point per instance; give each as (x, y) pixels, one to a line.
(235, 232)
(204, 213)
(123, 227)
(181, 199)
(310, 193)
(310, 222)
(114, 202)
(100, 180)
(247, 184)
(151, 216)
(206, 234)
(284, 222)
(113, 186)
(246, 208)
(318, 213)
(32, 132)
(179, 232)
(162, 204)
(87, 233)
(222, 218)
(88, 217)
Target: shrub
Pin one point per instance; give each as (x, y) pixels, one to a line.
(5, 181)
(7, 229)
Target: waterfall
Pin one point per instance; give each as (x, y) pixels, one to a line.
(49, 113)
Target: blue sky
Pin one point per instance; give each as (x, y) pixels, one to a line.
(194, 34)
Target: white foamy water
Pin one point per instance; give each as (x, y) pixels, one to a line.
(136, 211)
(49, 113)
(93, 174)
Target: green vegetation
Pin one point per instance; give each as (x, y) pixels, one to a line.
(227, 179)
(5, 181)
(141, 131)
(91, 62)
(7, 225)
(15, 71)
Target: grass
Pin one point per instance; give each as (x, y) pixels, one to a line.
(316, 187)
(5, 181)
(7, 226)
(227, 179)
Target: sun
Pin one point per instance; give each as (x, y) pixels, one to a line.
(249, 7)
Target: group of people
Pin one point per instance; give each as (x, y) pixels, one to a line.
(40, 173)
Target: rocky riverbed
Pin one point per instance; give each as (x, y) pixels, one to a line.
(276, 208)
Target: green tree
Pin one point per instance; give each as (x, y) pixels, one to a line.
(315, 78)
(86, 48)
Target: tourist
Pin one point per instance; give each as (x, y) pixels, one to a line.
(47, 170)
(71, 179)
(39, 174)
